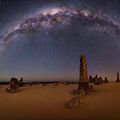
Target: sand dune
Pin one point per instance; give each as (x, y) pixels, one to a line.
(47, 103)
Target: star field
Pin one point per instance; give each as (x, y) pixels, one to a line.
(43, 40)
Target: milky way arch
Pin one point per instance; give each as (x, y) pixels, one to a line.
(59, 16)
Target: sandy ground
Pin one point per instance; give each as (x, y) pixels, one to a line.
(48, 103)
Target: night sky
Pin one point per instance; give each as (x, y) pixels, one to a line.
(49, 48)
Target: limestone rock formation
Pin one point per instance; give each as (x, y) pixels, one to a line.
(118, 78)
(20, 83)
(91, 79)
(13, 85)
(83, 78)
(106, 80)
(83, 69)
(95, 79)
(98, 80)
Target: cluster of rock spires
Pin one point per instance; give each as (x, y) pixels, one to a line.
(98, 79)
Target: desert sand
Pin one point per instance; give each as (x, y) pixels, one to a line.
(48, 103)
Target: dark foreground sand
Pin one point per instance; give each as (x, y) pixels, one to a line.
(47, 103)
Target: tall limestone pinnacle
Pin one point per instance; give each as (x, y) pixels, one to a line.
(118, 78)
(83, 69)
